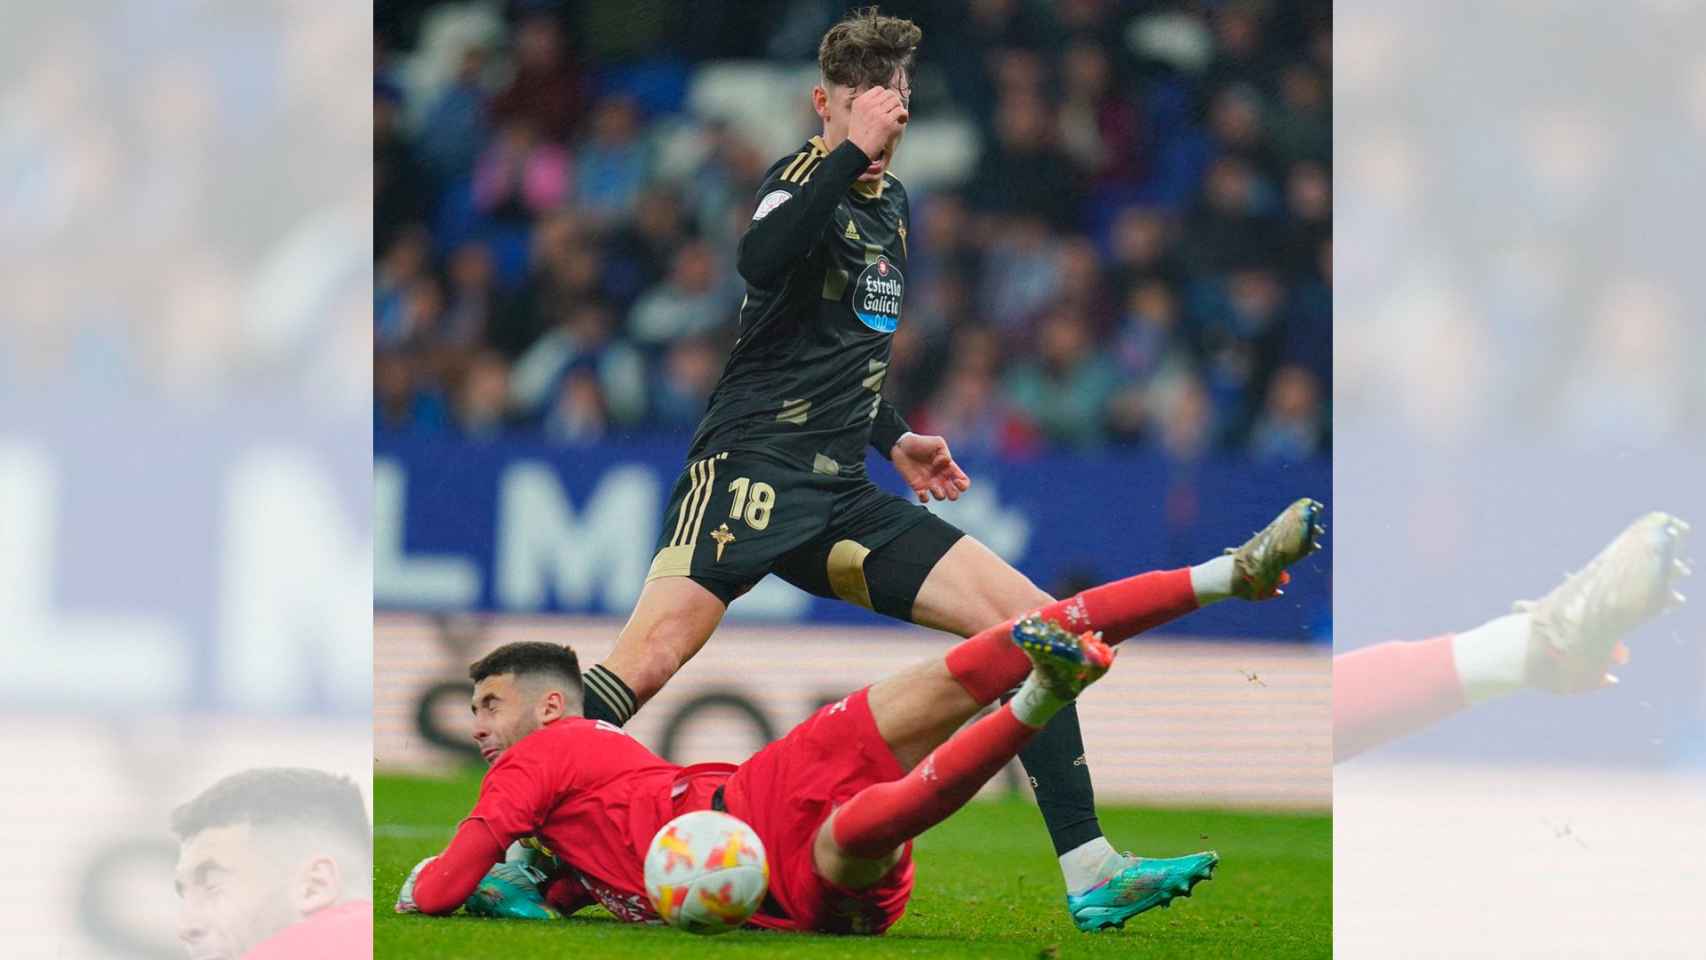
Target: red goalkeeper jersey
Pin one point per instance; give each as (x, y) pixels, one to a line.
(595, 797)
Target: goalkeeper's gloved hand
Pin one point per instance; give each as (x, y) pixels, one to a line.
(511, 890)
(406, 896)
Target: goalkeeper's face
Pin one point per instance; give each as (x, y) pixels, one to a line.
(507, 707)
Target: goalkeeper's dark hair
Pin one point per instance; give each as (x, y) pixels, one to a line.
(866, 48)
(288, 797)
(532, 658)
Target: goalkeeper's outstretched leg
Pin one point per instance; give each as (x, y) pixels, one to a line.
(1566, 642)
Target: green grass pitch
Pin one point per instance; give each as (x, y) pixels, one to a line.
(987, 887)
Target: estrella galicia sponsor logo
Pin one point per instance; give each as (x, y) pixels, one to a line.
(877, 294)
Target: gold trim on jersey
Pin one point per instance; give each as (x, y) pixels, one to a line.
(824, 465)
(834, 283)
(794, 412)
(800, 169)
(872, 190)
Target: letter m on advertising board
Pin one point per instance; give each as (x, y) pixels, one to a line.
(591, 560)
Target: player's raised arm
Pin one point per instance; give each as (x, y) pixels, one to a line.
(798, 200)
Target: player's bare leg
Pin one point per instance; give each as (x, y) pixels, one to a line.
(1564, 643)
(670, 623)
(862, 840)
(971, 587)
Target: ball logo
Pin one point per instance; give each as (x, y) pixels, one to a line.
(877, 294)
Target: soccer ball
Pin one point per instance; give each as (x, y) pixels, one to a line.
(706, 872)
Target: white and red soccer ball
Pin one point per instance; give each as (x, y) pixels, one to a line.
(706, 872)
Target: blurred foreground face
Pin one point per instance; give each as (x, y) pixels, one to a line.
(233, 896)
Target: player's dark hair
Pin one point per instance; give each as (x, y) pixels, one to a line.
(279, 796)
(530, 658)
(866, 48)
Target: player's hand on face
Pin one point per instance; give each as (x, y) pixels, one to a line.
(929, 468)
(877, 118)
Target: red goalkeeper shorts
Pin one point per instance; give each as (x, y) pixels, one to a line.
(787, 791)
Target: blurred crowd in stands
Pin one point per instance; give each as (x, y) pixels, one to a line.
(1134, 249)
(1530, 267)
(183, 213)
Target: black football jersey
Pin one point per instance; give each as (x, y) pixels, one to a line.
(825, 264)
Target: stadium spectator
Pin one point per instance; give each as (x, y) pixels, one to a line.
(697, 299)
(969, 408)
(1066, 389)
(482, 402)
(643, 249)
(690, 371)
(399, 184)
(547, 91)
(472, 299)
(567, 269)
(615, 161)
(1021, 276)
(1149, 344)
(1142, 248)
(402, 404)
(456, 126)
(1293, 423)
(1302, 127)
(580, 414)
(1025, 174)
(405, 264)
(584, 345)
(1187, 420)
(519, 177)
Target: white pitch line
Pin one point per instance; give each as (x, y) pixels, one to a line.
(410, 831)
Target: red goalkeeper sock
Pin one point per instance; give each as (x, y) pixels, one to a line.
(1390, 689)
(883, 816)
(989, 664)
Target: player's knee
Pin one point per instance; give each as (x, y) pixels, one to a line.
(846, 870)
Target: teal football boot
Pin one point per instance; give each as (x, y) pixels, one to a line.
(1145, 882)
(511, 891)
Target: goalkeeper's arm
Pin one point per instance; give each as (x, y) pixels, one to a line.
(441, 884)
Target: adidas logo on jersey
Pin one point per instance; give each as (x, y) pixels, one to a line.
(851, 232)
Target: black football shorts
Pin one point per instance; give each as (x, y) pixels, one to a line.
(734, 517)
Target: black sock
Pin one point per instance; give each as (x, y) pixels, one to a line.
(1054, 760)
(607, 698)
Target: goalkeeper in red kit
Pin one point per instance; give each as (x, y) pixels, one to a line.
(838, 800)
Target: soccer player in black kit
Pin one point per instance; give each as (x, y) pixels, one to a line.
(775, 480)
